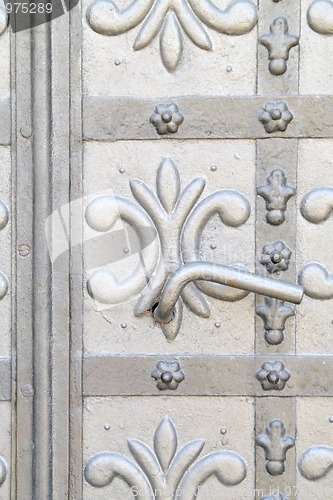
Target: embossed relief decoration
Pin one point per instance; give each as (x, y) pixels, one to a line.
(170, 20)
(316, 462)
(165, 471)
(316, 208)
(168, 375)
(178, 222)
(172, 273)
(320, 16)
(276, 194)
(276, 444)
(278, 43)
(275, 257)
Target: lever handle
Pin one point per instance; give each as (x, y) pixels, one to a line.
(218, 273)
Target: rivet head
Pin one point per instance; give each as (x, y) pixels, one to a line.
(273, 377)
(121, 170)
(331, 419)
(123, 325)
(107, 427)
(213, 168)
(26, 131)
(276, 114)
(276, 257)
(24, 250)
(27, 391)
(166, 377)
(223, 431)
(167, 117)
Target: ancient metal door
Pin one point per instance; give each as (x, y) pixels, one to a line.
(166, 269)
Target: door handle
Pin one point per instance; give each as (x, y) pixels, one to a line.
(225, 275)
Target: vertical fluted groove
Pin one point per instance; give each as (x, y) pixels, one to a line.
(76, 279)
(42, 277)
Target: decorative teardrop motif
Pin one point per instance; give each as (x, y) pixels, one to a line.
(165, 443)
(171, 42)
(171, 18)
(168, 184)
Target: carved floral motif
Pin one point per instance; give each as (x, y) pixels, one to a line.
(276, 116)
(276, 444)
(278, 43)
(167, 118)
(171, 18)
(179, 223)
(275, 256)
(165, 472)
(276, 194)
(168, 375)
(273, 375)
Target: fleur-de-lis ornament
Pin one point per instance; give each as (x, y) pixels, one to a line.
(276, 194)
(170, 19)
(278, 43)
(274, 313)
(276, 444)
(165, 472)
(177, 222)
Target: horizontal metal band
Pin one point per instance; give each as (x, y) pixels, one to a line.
(206, 375)
(5, 123)
(108, 118)
(5, 379)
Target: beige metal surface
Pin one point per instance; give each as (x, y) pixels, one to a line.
(153, 152)
(221, 95)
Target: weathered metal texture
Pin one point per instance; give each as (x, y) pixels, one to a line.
(281, 154)
(213, 375)
(222, 117)
(7, 288)
(162, 151)
(255, 118)
(41, 134)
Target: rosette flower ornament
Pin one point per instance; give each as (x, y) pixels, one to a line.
(168, 375)
(167, 118)
(276, 116)
(273, 375)
(275, 256)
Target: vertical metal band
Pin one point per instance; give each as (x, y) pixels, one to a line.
(42, 277)
(271, 154)
(22, 262)
(76, 258)
(41, 135)
(60, 43)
